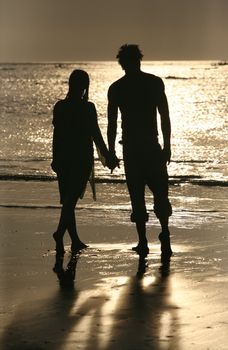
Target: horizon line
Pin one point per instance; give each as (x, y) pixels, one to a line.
(108, 60)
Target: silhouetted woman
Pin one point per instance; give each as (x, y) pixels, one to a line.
(75, 129)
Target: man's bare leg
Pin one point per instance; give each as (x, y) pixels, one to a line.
(164, 237)
(142, 247)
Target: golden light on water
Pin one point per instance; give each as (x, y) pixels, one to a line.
(196, 94)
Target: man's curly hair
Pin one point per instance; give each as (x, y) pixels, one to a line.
(129, 53)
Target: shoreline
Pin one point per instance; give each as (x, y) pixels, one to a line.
(188, 201)
(173, 180)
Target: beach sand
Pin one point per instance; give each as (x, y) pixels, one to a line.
(117, 300)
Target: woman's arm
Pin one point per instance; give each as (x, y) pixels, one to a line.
(111, 161)
(56, 141)
(96, 133)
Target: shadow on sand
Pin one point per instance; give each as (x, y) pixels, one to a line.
(145, 317)
(141, 317)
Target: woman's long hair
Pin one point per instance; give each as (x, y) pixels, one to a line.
(78, 83)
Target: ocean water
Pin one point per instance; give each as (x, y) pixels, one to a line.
(197, 95)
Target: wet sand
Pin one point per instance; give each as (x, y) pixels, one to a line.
(117, 301)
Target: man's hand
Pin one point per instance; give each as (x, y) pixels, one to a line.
(167, 154)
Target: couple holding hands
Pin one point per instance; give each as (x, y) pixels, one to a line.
(138, 96)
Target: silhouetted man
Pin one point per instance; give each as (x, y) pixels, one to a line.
(138, 96)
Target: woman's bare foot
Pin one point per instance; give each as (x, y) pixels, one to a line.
(77, 246)
(59, 243)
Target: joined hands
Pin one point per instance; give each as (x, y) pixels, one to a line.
(112, 161)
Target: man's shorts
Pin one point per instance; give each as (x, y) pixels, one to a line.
(147, 167)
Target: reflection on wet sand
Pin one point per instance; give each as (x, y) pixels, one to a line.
(66, 277)
(48, 323)
(144, 317)
(115, 313)
(137, 313)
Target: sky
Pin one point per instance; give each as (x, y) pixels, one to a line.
(77, 30)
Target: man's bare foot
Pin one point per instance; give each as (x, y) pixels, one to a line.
(166, 250)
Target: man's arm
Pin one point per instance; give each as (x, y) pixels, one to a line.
(163, 109)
